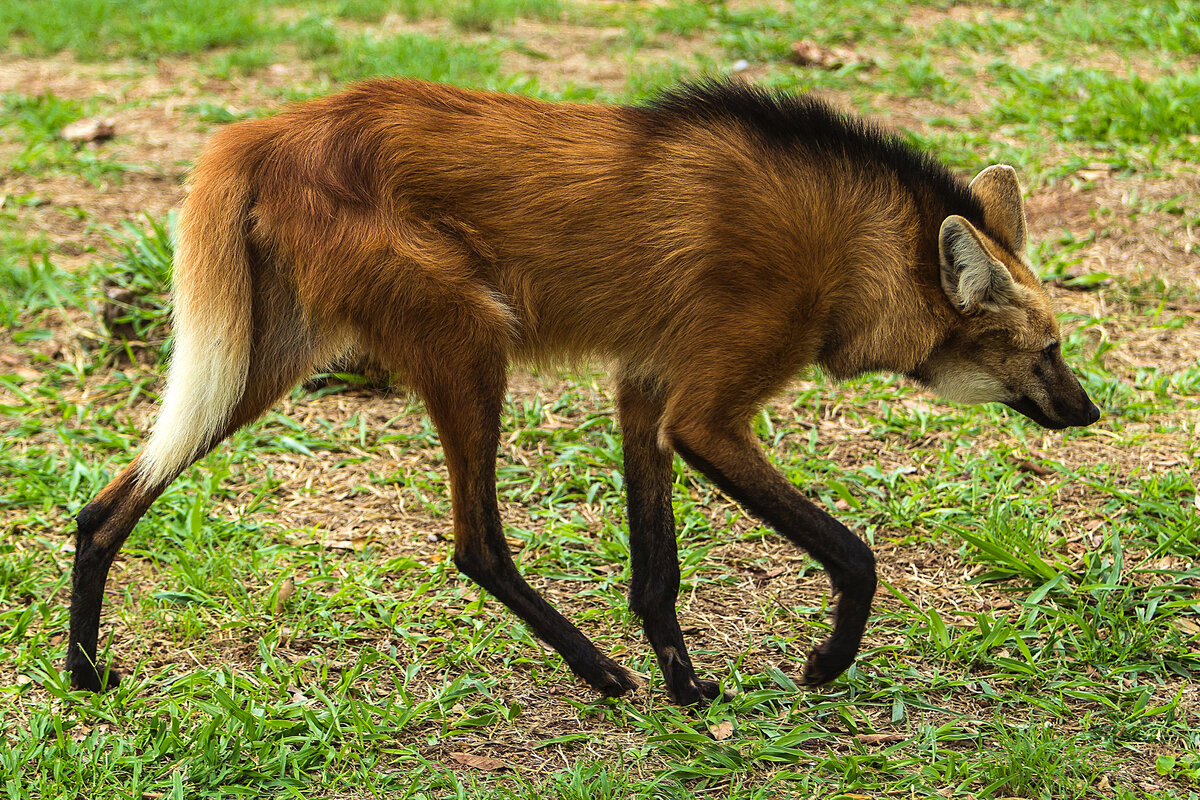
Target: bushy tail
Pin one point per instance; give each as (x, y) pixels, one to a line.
(212, 321)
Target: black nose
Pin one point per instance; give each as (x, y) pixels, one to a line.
(1093, 412)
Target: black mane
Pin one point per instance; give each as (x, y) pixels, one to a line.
(787, 120)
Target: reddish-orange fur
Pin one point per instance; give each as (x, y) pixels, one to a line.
(552, 231)
(446, 233)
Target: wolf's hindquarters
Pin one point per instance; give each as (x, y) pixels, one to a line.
(239, 346)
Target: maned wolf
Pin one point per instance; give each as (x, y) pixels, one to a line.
(707, 245)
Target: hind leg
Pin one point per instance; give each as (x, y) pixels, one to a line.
(463, 397)
(105, 523)
(449, 335)
(103, 526)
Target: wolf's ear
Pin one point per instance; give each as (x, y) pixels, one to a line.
(971, 278)
(1003, 209)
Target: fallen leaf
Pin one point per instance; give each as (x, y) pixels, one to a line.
(89, 130)
(722, 730)
(1037, 469)
(879, 738)
(1188, 625)
(286, 590)
(344, 540)
(479, 762)
(918, 405)
(1095, 172)
(810, 54)
(768, 575)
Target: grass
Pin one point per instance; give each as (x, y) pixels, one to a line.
(116, 28)
(37, 121)
(287, 614)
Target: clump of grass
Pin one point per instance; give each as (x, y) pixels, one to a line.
(1040, 761)
(411, 56)
(1075, 104)
(143, 271)
(485, 15)
(98, 29)
(39, 119)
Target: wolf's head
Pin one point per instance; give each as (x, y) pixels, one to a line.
(1004, 346)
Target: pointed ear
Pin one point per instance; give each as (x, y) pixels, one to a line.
(1003, 209)
(970, 277)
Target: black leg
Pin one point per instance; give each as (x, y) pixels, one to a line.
(655, 561)
(465, 406)
(92, 563)
(104, 524)
(732, 459)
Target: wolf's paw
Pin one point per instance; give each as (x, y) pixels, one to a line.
(88, 679)
(826, 662)
(609, 678)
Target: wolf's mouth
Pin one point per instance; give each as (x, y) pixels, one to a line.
(1032, 410)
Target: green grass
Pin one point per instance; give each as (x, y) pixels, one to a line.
(100, 29)
(412, 56)
(37, 120)
(1094, 105)
(1037, 631)
(1154, 28)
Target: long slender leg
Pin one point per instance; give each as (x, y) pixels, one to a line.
(729, 455)
(105, 523)
(464, 399)
(655, 561)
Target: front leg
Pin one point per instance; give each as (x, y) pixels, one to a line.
(729, 455)
(655, 561)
